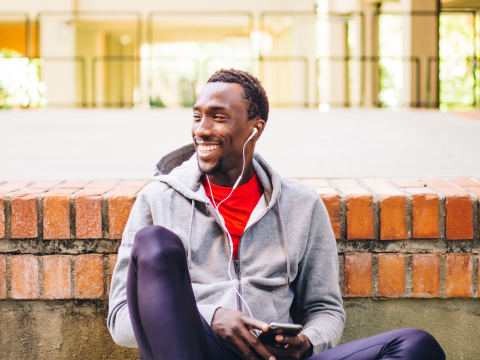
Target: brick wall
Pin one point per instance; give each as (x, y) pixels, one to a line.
(396, 237)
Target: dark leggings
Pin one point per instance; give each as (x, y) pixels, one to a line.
(167, 324)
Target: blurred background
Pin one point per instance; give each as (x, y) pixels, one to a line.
(357, 88)
(328, 53)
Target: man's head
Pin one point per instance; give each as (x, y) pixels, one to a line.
(227, 110)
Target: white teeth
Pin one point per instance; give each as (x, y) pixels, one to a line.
(206, 149)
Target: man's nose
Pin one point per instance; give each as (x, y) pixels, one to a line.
(204, 128)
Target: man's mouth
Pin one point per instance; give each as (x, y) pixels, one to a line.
(205, 149)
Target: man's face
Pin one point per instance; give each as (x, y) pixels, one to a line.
(220, 127)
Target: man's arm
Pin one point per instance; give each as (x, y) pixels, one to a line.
(318, 299)
(118, 320)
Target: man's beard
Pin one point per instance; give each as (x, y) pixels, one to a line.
(225, 161)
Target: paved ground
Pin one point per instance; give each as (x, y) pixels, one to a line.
(69, 144)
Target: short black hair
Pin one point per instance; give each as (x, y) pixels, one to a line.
(254, 92)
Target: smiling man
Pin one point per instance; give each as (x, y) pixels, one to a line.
(219, 246)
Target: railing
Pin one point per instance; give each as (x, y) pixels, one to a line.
(63, 84)
(304, 71)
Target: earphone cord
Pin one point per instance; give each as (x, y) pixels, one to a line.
(216, 207)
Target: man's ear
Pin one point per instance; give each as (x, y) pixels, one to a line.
(260, 126)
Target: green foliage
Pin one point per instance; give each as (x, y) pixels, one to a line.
(457, 37)
(20, 85)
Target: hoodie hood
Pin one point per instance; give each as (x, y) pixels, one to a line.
(180, 170)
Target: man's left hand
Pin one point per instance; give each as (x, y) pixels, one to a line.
(291, 347)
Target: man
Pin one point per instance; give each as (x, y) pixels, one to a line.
(218, 246)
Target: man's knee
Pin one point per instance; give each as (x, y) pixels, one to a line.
(422, 342)
(156, 244)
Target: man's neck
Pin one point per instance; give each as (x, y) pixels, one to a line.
(228, 178)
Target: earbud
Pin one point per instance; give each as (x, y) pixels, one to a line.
(253, 133)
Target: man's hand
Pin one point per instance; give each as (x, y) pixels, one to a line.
(291, 347)
(233, 328)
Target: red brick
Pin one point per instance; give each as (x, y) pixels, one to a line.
(112, 261)
(358, 275)
(138, 184)
(45, 184)
(56, 277)
(459, 281)
(89, 276)
(74, 184)
(391, 275)
(3, 277)
(458, 206)
(464, 182)
(359, 213)
(25, 277)
(88, 209)
(344, 183)
(426, 275)
(120, 203)
(406, 183)
(2, 215)
(331, 199)
(425, 213)
(434, 182)
(5, 188)
(24, 214)
(103, 184)
(316, 183)
(393, 214)
(56, 214)
(15, 185)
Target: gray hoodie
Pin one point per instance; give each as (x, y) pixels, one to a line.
(288, 265)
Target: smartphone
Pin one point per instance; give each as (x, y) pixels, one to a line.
(274, 329)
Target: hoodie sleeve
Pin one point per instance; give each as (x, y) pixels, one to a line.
(318, 299)
(118, 320)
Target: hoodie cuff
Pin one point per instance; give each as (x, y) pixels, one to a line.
(317, 341)
(207, 311)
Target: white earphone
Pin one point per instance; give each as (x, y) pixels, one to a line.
(223, 220)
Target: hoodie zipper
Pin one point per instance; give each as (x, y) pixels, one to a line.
(236, 264)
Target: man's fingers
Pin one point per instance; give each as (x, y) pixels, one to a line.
(247, 352)
(284, 354)
(291, 340)
(256, 345)
(254, 324)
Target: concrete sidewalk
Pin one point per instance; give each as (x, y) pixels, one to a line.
(80, 144)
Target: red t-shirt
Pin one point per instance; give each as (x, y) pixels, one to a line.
(236, 210)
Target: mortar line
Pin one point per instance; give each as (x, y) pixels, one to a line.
(375, 276)
(343, 212)
(40, 198)
(9, 276)
(377, 226)
(408, 275)
(475, 275)
(40, 277)
(443, 284)
(73, 279)
(8, 216)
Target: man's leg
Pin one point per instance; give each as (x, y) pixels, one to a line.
(406, 344)
(163, 311)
